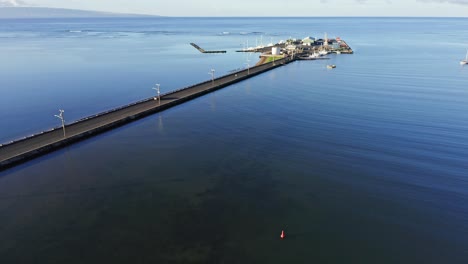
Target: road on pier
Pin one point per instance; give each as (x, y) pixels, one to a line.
(24, 149)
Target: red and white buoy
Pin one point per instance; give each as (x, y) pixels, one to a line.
(282, 234)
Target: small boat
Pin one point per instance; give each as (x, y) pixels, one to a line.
(314, 55)
(338, 52)
(465, 61)
(323, 52)
(331, 66)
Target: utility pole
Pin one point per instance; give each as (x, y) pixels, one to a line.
(157, 88)
(212, 72)
(60, 116)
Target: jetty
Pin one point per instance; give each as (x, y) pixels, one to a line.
(312, 58)
(22, 150)
(206, 51)
(27, 148)
(262, 49)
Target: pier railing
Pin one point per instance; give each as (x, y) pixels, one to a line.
(54, 141)
(253, 68)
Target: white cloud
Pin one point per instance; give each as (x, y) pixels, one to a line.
(12, 3)
(460, 2)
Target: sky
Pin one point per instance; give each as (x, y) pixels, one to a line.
(445, 8)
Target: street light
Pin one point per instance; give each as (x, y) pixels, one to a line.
(157, 88)
(212, 72)
(248, 66)
(60, 116)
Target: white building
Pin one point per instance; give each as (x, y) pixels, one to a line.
(308, 41)
(275, 51)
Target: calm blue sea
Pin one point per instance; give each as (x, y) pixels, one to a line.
(366, 163)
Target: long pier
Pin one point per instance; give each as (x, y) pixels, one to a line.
(25, 149)
(206, 51)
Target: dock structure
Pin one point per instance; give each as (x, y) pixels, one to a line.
(206, 51)
(22, 150)
(262, 49)
(309, 58)
(19, 151)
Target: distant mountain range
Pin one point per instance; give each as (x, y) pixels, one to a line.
(16, 9)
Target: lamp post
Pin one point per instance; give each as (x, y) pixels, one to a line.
(248, 66)
(157, 88)
(60, 116)
(212, 72)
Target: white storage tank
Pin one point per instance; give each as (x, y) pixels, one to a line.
(275, 51)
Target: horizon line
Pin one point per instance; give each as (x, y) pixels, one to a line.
(143, 15)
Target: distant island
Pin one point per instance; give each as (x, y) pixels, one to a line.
(45, 12)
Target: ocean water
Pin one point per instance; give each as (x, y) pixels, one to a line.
(366, 163)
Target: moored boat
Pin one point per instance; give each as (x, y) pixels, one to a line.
(323, 52)
(465, 61)
(314, 55)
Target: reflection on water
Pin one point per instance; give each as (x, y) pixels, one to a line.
(160, 123)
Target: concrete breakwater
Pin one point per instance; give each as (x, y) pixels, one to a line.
(19, 151)
(206, 51)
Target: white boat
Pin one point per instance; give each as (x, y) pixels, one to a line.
(332, 66)
(465, 61)
(314, 55)
(323, 52)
